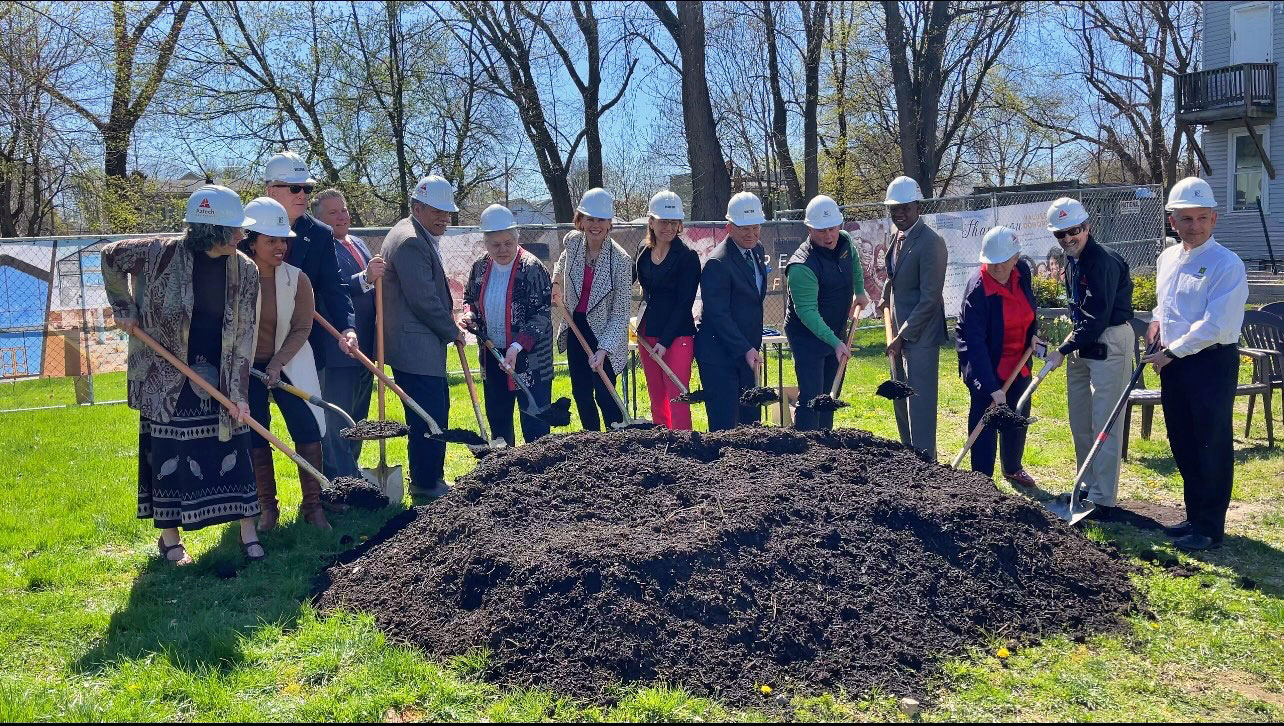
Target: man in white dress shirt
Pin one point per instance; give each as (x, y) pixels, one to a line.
(1202, 288)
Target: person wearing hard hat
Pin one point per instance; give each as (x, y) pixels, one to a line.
(1099, 350)
(195, 296)
(312, 251)
(1201, 290)
(826, 288)
(914, 297)
(345, 382)
(283, 353)
(733, 285)
(593, 279)
(669, 274)
(996, 325)
(508, 294)
(419, 323)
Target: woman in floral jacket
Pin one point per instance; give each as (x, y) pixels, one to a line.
(508, 293)
(195, 296)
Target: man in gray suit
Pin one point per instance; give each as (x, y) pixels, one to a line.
(419, 324)
(914, 297)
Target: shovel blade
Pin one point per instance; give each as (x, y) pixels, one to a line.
(389, 481)
(1070, 511)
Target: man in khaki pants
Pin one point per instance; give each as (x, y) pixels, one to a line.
(1099, 349)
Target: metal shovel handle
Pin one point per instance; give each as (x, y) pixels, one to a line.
(1104, 434)
(299, 392)
(205, 385)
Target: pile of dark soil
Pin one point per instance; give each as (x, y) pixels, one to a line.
(894, 389)
(371, 429)
(353, 491)
(759, 396)
(814, 561)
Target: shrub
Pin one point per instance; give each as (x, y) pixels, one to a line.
(1048, 293)
(1144, 296)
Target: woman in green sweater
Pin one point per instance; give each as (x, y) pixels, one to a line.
(824, 277)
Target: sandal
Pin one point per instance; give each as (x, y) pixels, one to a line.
(245, 547)
(165, 549)
(1020, 477)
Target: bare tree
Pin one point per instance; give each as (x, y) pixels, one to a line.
(710, 180)
(779, 114)
(1127, 55)
(940, 54)
(136, 63)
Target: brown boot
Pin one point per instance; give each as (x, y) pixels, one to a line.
(310, 510)
(265, 482)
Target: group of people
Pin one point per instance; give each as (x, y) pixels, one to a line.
(236, 297)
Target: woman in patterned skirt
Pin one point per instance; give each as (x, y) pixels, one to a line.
(195, 296)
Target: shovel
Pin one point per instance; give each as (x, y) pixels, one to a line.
(494, 444)
(980, 425)
(389, 479)
(296, 391)
(557, 413)
(209, 388)
(686, 395)
(627, 423)
(901, 390)
(830, 402)
(758, 395)
(1072, 507)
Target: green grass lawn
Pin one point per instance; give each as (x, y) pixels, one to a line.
(95, 626)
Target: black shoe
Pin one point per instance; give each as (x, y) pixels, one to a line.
(1195, 542)
(1180, 530)
(1102, 513)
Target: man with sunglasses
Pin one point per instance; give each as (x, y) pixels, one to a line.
(1098, 352)
(312, 250)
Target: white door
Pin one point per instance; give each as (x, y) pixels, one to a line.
(1251, 33)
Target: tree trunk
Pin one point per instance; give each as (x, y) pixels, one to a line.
(815, 32)
(779, 115)
(710, 181)
(397, 80)
(116, 142)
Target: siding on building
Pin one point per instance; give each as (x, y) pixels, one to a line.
(1242, 231)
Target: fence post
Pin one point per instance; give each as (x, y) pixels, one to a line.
(84, 323)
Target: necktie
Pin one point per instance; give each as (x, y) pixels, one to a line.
(896, 252)
(356, 254)
(753, 268)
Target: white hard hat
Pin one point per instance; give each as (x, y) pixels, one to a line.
(745, 209)
(903, 190)
(287, 167)
(998, 245)
(1189, 193)
(823, 213)
(597, 202)
(496, 218)
(213, 204)
(436, 192)
(269, 217)
(1066, 213)
(665, 205)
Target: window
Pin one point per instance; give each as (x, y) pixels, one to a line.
(1247, 172)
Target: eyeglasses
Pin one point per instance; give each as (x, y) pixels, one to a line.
(295, 188)
(1068, 232)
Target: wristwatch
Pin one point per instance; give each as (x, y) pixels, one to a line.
(1170, 354)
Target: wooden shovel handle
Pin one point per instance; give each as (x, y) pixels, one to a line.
(663, 366)
(258, 428)
(383, 377)
(383, 446)
(588, 351)
(472, 389)
(842, 367)
(980, 425)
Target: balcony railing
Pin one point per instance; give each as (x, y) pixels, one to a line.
(1222, 94)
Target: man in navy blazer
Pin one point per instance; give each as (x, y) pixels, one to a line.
(312, 250)
(733, 285)
(344, 381)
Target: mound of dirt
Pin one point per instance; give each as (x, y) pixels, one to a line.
(813, 561)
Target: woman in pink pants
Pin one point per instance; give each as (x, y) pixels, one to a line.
(669, 272)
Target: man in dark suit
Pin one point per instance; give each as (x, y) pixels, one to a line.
(344, 381)
(312, 250)
(420, 323)
(733, 286)
(914, 297)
